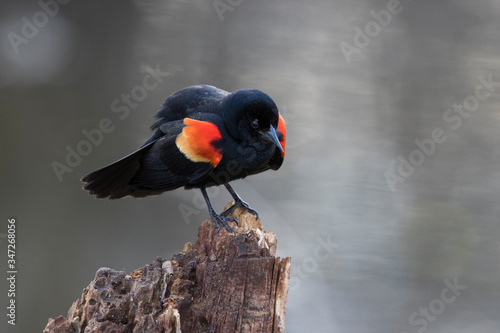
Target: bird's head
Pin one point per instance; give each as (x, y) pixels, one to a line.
(252, 117)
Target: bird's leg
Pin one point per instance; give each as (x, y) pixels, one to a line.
(238, 202)
(216, 217)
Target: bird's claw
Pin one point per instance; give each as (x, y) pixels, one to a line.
(242, 204)
(223, 220)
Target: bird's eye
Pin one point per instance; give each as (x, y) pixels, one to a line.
(255, 123)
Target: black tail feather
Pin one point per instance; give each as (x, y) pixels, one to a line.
(113, 180)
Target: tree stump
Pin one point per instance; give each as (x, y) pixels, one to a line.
(221, 283)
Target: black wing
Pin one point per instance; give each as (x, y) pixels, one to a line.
(156, 167)
(187, 101)
(184, 103)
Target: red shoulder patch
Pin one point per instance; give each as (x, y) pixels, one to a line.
(282, 129)
(196, 141)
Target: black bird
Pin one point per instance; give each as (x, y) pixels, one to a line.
(204, 136)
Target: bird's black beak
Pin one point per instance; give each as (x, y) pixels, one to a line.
(271, 136)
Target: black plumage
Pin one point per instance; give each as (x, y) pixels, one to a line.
(203, 136)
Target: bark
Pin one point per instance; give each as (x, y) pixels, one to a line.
(221, 283)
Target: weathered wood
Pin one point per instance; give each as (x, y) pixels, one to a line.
(221, 283)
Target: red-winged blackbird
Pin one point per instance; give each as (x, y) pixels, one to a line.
(204, 136)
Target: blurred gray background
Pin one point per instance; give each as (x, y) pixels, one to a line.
(377, 244)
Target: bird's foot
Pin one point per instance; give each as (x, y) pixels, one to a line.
(218, 219)
(242, 204)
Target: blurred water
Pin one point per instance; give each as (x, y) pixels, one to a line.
(392, 247)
